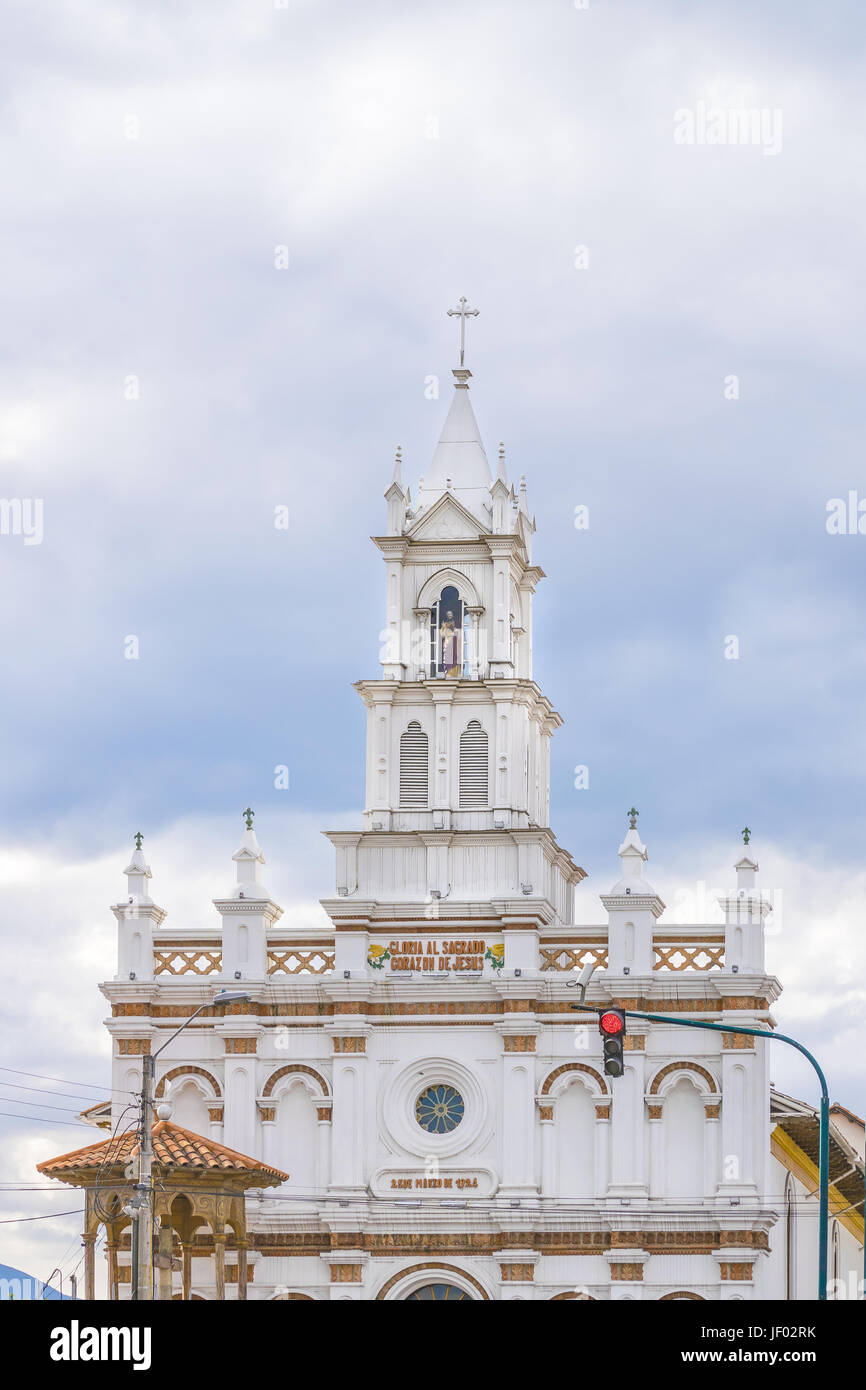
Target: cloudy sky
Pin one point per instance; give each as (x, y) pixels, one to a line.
(230, 234)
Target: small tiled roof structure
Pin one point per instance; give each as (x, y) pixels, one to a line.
(174, 1149)
(196, 1182)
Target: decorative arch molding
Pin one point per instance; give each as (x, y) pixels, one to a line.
(290, 1297)
(427, 1271)
(580, 1297)
(295, 1067)
(660, 1076)
(430, 591)
(191, 1072)
(681, 1293)
(596, 1076)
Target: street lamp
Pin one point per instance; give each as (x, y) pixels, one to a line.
(142, 1274)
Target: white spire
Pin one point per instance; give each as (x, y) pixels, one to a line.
(501, 473)
(747, 867)
(137, 875)
(633, 855)
(460, 456)
(247, 857)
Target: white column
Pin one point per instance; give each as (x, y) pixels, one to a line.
(240, 1093)
(602, 1146)
(324, 1113)
(349, 1083)
(712, 1132)
(655, 1108)
(518, 1124)
(268, 1118)
(628, 1173)
(546, 1112)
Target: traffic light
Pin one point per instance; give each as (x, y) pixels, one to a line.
(611, 1025)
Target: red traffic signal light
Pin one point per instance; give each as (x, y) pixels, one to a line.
(611, 1025)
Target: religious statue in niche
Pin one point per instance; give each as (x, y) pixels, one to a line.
(451, 640)
(447, 634)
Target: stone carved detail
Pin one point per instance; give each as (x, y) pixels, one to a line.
(240, 1046)
(295, 962)
(133, 1047)
(737, 1042)
(575, 1066)
(572, 957)
(185, 1071)
(523, 1273)
(194, 962)
(350, 1044)
(738, 1269)
(682, 1066)
(676, 955)
(346, 1274)
(293, 1067)
(633, 1272)
(519, 1042)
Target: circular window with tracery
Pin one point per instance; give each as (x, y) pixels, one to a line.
(439, 1110)
(438, 1293)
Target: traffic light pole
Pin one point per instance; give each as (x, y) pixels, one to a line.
(824, 1124)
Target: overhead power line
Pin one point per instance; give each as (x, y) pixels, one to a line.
(43, 1119)
(15, 1220)
(64, 1081)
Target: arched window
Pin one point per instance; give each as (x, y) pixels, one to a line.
(575, 1143)
(473, 766)
(790, 1238)
(446, 634)
(684, 1125)
(414, 763)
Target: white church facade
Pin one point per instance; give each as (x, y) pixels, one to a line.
(416, 1067)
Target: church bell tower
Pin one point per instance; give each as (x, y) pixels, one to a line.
(458, 732)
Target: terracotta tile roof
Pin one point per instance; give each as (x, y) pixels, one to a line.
(173, 1148)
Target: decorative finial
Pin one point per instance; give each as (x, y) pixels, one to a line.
(632, 815)
(463, 314)
(138, 839)
(746, 834)
(248, 815)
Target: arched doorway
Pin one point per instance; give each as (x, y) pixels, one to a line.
(438, 1293)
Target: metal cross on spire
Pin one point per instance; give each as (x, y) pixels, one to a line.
(746, 834)
(632, 818)
(138, 839)
(248, 816)
(462, 313)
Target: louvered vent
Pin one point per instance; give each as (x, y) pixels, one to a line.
(473, 765)
(413, 766)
